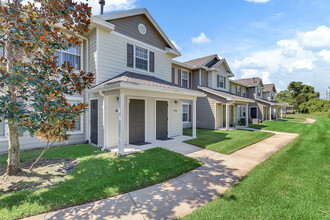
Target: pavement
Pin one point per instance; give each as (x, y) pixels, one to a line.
(309, 121)
(179, 196)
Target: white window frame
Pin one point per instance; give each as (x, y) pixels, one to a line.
(81, 56)
(134, 60)
(185, 104)
(272, 96)
(183, 70)
(257, 89)
(78, 100)
(221, 80)
(244, 92)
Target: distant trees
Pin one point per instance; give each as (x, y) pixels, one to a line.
(304, 98)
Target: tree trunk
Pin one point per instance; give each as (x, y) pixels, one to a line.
(13, 162)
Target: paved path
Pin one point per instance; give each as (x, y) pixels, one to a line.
(309, 121)
(181, 195)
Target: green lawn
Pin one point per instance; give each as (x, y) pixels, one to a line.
(291, 184)
(225, 142)
(97, 176)
(297, 117)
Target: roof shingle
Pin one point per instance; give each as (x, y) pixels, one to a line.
(251, 82)
(226, 95)
(199, 61)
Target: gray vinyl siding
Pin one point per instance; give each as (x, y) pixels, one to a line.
(250, 93)
(205, 78)
(92, 52)
(195, 79)
(206, 111)
(129, 27)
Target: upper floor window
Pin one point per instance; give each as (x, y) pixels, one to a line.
(221, 81)
(244, 92)
(72, 55)
(141, 58)
(272, 96)
(258, 92)
(185, 78)
(238, 92)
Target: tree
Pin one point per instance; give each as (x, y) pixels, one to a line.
(33, 86)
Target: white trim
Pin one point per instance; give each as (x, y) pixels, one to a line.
(168, 116)
(81, 116)
(185, 112)
(145, 117)
(188, 80)
(134, 57)
(223, 77)
(250, 111)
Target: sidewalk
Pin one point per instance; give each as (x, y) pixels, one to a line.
(180, 196)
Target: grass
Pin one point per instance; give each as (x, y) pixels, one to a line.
(297, 117)
(225, 142)
(97, 176)
(291, 184)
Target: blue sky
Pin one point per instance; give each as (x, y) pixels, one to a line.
(278, 40)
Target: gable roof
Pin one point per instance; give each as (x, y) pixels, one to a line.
(269, 87)
(135, 12)
(146, 81)
(250, 82)
(200, 61)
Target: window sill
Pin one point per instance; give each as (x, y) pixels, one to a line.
(75, 132)
(186, 122)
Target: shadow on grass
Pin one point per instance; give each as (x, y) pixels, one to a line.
(99, 176)
(206, 137)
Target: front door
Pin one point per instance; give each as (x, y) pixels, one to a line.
(161, 119)
(253, 111)
(136, 121)
(94, 119)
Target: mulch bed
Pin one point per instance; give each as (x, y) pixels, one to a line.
(47, 172)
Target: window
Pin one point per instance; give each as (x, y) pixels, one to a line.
(185, 78)
(244, 92)
(72, 55)
(244, 111)
(141, 58)
(2, 129)
(185, 112)
(238, 90)
(78, 125)
(221, 81)
(272, 96)
(258, 92)
(239, 112)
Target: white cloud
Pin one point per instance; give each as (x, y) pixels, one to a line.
(113, 5)
(250, 63)
(325, 54)
(248, 73)
(258, 1)
(201, 39)
(316, 39)
(289, 48)
(303, 64)
(176, 45)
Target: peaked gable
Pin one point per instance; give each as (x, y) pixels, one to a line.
(127, 23)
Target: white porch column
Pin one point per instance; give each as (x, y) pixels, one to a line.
(234, 114)
(276, 113)
(281, 112)
(247, 114)
(227, 116)
(285, 112)
(270, 113)
(194, 132)
(121, 130)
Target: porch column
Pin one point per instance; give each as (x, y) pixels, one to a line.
(234, 115)
(105, 120)
(194, 133)
(285, 112)
(270, 113)
(247, 114)
(276, 113)
(281, 112)
(121, 134)
(227, 116)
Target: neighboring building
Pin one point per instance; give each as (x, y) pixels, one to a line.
(133, 100)
(264, 106)
(221, 108)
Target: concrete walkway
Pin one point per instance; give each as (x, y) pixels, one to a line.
(179, 196)
(309, 121)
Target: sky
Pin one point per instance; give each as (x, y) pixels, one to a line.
(278, 40)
